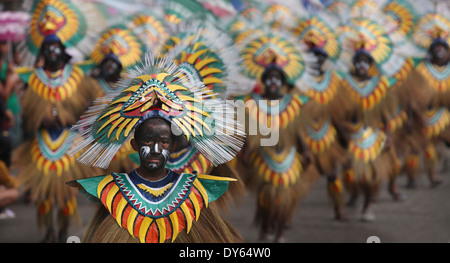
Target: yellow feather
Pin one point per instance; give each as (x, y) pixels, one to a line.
(204, 62)
(132, 88)
(275, 179)
(103, 183)
(47, 167)
(207, 71)
(130, 221)
(211, 80)
(181, 126)
(194, 56)
(188, 98)
(196, 205)
(144, 77)
(66, 161)
(112, 192)
(144, 228)
(162, 229)
(121, 127)
(187, 215)
(113, 118)
(119, 210)
(187, 125)
(266, 174)
(195, 167)
(175, 225)
(201, 190)
(114, 125)
(162, 76)
(176, 87)
(130, 126)
(215, 178)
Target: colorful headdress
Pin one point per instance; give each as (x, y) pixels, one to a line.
(262, 47)
(177, 11)
(249, 18)
(279, 16)
(205, 53)
(157, 89)
(121, 42)
(70, 21)
(150, 30)
(381, 36)
(369, 37)
(432, 27)
(316, 33)
(403, 17)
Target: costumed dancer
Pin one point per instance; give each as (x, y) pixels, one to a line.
(320, 134)
(427, 90)
(117, 49)
(274, 149)
(152, 203)
(405, 124)
(397, 18)
(53, 100)
(363, 105)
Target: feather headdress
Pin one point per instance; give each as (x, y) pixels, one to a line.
(157, 88)
(76, 23)
(210, 55)
(121, 42)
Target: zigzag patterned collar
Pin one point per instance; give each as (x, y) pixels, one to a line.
(155, 198)
(180, 198)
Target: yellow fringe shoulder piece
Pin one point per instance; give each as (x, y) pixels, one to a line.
(436, 121)
(323, 91)
(49, 152)
(397, 120)
(319, 138)
(156, 212)
(277, 168)
(367, 144)
(369, 93)
(57, 88)
(438, 77)
(274, 114)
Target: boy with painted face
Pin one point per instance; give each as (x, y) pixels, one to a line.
(154, 143)
(152, 203)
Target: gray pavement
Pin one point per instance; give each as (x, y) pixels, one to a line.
(423, 217)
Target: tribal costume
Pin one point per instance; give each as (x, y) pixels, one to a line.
(426, 91)
(53, 101)
(274, 150)
(178, 207)
(321, 136)
(276, 172)
(364, 105)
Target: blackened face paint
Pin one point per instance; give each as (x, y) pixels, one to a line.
(154, 141)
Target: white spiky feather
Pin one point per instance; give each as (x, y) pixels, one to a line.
(219, 147)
